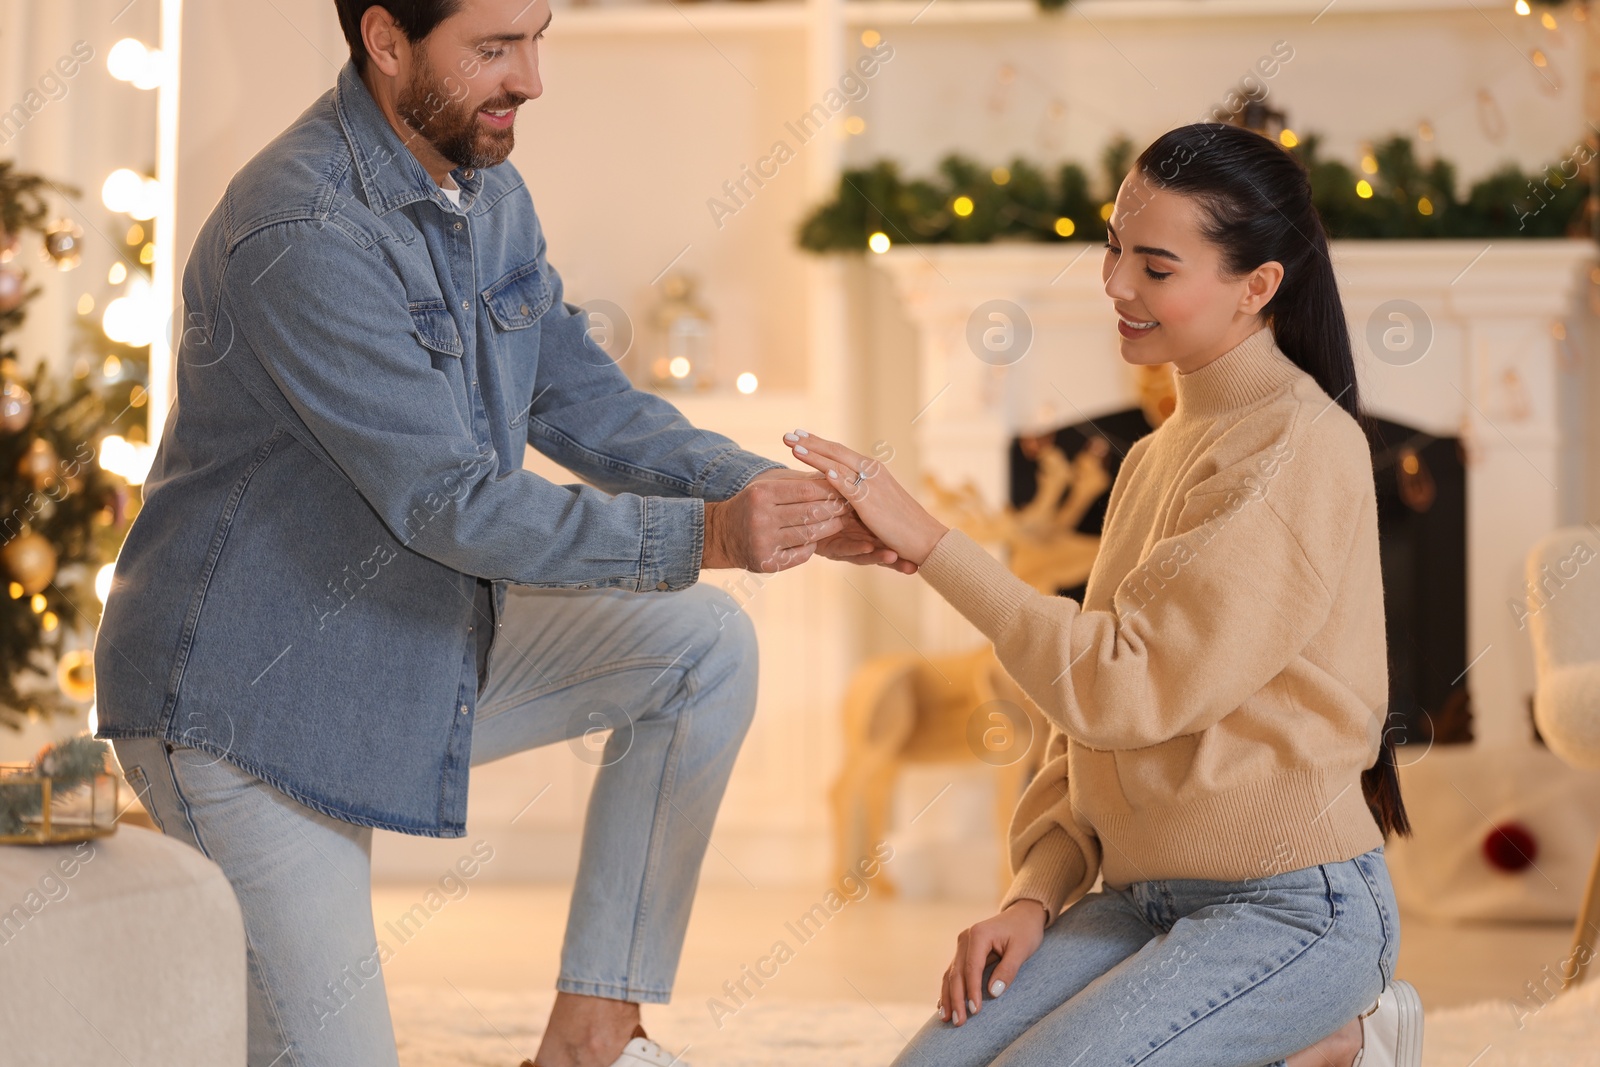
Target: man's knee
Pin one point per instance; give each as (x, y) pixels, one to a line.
(726, 633)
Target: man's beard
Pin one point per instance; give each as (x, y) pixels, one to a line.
(451, 126)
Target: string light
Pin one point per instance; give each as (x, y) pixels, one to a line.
(1065, 227)
(879, 242)
(962, 205)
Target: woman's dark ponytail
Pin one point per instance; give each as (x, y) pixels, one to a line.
(1256, 205)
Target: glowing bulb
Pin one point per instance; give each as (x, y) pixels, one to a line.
(49, 620)
(678, 367)
(147, 201)
(962, 205)
(129, 460)
(1288, 139)
(870, 38)
(117, 274)
(1105, 211)
(121, 189)
(1000, 175)
(85, 304)
(102, 581)
(132, 319)
(1523, 8)
(879, 242)
(855, 124)
(15, 589)
(37, 603)
(127, 59)
(746, 383)
(1065, 227)
(1369, 163)
(156, 67)
(1364, 189)
(1425, 206)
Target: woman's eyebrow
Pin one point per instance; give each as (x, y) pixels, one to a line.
(1149, 250)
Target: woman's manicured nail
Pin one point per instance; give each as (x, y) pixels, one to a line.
(801, 433)
(802, 450)
(791, 437)
(834, 475)
(972, 1008)
(996, 987)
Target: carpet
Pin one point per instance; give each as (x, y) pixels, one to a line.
(446, 1026)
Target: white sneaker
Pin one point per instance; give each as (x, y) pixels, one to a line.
(643, 1052)
(1391, 1033)
(640, 1051)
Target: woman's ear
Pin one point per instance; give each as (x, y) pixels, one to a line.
(1261, 286)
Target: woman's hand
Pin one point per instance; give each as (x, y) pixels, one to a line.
(891, 513)
(1013, 935)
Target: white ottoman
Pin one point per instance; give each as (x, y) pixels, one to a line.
(124, 949)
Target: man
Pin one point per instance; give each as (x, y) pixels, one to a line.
(310, 633)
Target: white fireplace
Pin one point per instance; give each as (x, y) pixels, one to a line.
(1504, 369)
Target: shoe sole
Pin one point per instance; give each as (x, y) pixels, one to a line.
(1408, 1051)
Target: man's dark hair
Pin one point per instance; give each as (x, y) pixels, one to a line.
(416, 19)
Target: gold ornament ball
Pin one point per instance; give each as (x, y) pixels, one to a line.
(63, 243)
(38, 463)
(75, 674)
(13, 289)
(31, 560)
(16, 407)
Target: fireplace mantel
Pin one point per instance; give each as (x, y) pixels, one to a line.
(1504, 371)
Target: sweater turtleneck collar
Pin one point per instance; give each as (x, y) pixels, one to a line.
(1252, 370)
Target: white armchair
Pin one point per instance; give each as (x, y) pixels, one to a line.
(1564, 624)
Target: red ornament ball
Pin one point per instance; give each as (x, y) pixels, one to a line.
(1510, 847)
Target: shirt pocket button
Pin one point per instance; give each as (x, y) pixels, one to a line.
(662, 586)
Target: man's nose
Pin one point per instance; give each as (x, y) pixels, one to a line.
(523, 78)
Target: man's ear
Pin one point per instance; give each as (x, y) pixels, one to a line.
(384, 40)
(1261, 286)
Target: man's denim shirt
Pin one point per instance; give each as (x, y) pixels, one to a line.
(360, 368)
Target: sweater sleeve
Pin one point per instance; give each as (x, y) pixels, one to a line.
(1212, 612)
(1054, 857)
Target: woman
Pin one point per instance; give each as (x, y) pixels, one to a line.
(1218, 699)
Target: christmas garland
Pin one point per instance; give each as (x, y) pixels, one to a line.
(1393, 195)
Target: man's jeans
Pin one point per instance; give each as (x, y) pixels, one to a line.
(1187, 973)
(672, 675)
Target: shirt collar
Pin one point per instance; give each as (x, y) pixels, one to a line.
(390, 175)
(1252, 370)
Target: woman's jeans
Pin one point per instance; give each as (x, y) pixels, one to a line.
(1188, 973)
(674, 677)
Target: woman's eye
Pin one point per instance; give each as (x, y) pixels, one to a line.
(1112, 247)
(1158, 275)
(495, 53)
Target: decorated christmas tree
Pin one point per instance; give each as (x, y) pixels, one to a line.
(62, 514)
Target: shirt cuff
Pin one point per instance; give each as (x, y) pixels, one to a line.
(674, 542)
(975, 583)
(731, 471)
(1054, 873)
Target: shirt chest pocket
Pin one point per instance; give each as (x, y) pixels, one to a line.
(517, 300)
(435, 327)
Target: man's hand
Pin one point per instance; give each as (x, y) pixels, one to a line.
(773, 523)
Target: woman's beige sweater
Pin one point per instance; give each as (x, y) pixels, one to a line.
(1224, 683)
